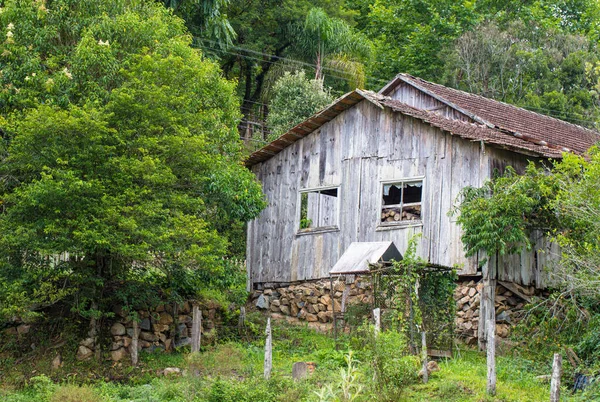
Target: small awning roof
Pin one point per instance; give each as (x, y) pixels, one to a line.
(359, 255)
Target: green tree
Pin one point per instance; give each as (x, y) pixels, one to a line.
(295, 99)
(120, 178)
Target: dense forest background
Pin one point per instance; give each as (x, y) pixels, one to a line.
(538, 54)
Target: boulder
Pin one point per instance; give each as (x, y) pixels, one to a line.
(148, 336)
(262, 302)
(171, 371)
(118, 329)
(23, 329)
(84, 353)
(145, 324)
(118, 354)
(165, 319)
(57, 362)
(88, 343)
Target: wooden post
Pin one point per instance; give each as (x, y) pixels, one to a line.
(196, 328)
(487, 307)
(491, 357)
(377, 319)
(242, 319)
(555, 381)
(134, 343)
(268, 351)
(424, 357)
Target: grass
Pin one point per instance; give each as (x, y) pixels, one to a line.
(232, 371)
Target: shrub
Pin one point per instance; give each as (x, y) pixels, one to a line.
(74, 393)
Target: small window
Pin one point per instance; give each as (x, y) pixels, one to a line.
(401, 202)
(319, 209)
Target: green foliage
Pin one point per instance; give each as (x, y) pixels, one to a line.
(499, 217)
(295, 99)
(420, 297)
(117, 172)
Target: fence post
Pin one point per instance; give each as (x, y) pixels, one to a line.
(377, 319)
(134, 343)
(268, 351)
(424, 357)
(491, 357)
(196, 328)
(555, 381)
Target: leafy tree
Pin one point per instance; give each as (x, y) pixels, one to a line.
(120, 178)
(295, 99)
(546, 73)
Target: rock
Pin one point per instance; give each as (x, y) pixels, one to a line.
(262, 302)
(155, 348)
(130, 332)
(183, 342)
(23, 329)
(116, 345)
(160, 327)
(142, 344)
(171, 371)
(322, 316)
(145, 324)
(57, 362)
(432, 367)
(299, 370)
(118, 329)
(186, 308)
(182, 331)
(285, 309)
(148, 336)
(464, 300)
(300, 304)
(88, 343)
(294, 310)
(326, 300)
(118, 354)
(84, 353)
(503, 318)
(126, 341)
(472, 292)
(160, 308)
(274, 308)
(285, 301)
(312, 299)
(169, 345)
(276, 303)
(311, 317)
(10, 331)
(165, 319)
(311, 309)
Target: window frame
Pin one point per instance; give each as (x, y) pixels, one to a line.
(401, 223)
(319, 229)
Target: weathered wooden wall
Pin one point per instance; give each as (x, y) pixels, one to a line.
(356, 151)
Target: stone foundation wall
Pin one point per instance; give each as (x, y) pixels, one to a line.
(312, 301)
(468, 297)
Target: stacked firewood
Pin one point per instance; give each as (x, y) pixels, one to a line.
(395, 215)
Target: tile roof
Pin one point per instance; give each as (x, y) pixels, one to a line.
(522, 123)
(497, 123)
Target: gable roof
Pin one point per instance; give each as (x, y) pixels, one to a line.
(498, 124)
(503, 116)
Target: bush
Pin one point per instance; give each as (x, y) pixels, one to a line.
(74, 393)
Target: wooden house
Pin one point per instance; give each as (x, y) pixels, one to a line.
(386, 166)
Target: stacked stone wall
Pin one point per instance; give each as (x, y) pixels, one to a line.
(312, 301)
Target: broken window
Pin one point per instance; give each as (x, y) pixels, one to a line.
(401, 202)
(319, 209)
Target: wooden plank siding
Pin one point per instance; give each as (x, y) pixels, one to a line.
(355, 152)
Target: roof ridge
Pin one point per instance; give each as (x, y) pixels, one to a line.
(469, 94)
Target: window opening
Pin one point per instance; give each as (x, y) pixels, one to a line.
(319, 209)
(401, 202)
